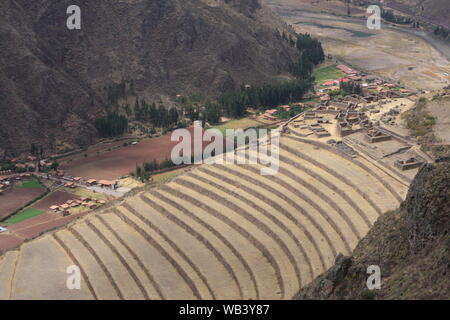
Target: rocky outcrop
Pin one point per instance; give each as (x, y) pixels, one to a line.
(411, 246)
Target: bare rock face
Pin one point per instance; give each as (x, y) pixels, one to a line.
(411, 246)
(53, 80)
(428, 207)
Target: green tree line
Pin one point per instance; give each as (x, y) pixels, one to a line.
(111, 125)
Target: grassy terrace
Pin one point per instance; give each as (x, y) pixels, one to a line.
(24, 215)
(327, 73)
(243, 123)
(32, 183)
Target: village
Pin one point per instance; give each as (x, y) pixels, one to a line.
(367, 123)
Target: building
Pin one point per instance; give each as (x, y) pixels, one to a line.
(347, 70)
(91, 182)
(108, 184)
(319, 131)
(270, 114)
(374, 136)
(408, 164)
(92, 205)
(60, 173)
(70, 185)
(309, 115)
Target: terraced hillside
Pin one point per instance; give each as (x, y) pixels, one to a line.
(216, 232)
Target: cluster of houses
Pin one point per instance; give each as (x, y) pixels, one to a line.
(29, 163)
(6, 180)
(373, 89)
(271, 114)
(313, 122)
(85, 202)
(349, 121)
(73, 182)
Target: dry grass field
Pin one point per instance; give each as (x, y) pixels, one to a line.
(394, 53)
(214, 232)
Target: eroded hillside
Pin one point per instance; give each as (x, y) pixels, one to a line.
(52, 80)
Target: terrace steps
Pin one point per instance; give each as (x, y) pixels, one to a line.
(117, 274)
(313, 262)
(187, 269)
(249, 232)
(305, 217)
(212, 265)
(91, 270)
(104, 222)
(326, 192)
(169, 282)
(126, 258)
(265, 228)
(252, 259)
(304, 269)
(7, 270)
(364, 210)
(217, 232)
(222, 248)
(356, 168)
(313, 163)
(43, 264)
(306, 210)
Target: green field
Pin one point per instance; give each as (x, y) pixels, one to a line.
(328, 73)
(32, 183)
(24, 215)
(243, 123)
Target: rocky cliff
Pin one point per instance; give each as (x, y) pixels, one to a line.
(411, 246)
(52, 80)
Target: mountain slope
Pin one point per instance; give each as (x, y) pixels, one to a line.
(52, 79)
(411, 246)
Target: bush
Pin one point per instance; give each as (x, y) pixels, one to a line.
(368, 295)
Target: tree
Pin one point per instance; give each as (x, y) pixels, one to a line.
(33, 149)
(54, 165)
(112, 125)
(137, 109)
(173, 116)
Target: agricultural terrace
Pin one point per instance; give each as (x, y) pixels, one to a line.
(23, 215)
(327, 73)
(38, 218)
(19, 196)
(214, 232)
(243, 123)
